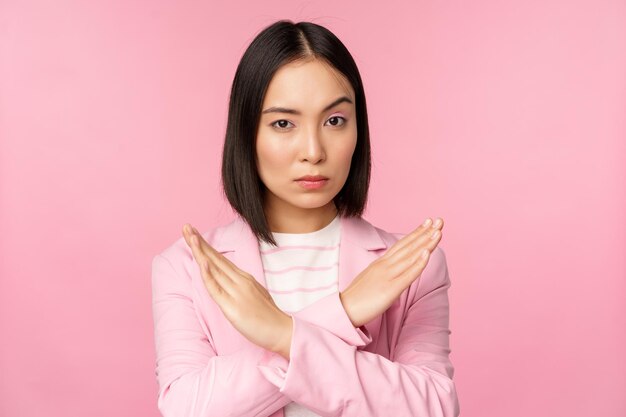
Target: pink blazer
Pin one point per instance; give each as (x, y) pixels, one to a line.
(395, 365)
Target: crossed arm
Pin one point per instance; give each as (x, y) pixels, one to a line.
(328, 370)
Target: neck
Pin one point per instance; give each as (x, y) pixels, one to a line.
(297, 220)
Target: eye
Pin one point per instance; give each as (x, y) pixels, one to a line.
(337, 118)
(282, 126)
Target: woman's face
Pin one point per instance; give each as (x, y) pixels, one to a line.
(305, 129)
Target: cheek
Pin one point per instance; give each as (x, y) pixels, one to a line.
(269, 155)
(345, 152)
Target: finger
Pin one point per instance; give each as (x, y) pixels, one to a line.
(405, 257)
(414, 271)
(418, 259)
(409, 239)
(420, 233)
(214, 289)
(211, 273)
(428, 241)
(189, 231)
(220, 261)
(404, 254)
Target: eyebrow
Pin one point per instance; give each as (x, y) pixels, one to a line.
(292, 111)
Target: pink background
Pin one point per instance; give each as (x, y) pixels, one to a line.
(507, 120)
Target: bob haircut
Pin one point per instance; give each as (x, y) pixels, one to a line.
(281, 43)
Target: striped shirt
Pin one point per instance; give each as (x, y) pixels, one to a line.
(302, 269)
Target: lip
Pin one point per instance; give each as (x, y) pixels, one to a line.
(312, 178)
(312, 185)
(312, 182)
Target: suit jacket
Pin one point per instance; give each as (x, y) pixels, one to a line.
(395, 365)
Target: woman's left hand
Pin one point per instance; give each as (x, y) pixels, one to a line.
(244, 302)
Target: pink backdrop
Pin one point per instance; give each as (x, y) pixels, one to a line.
(507, 120)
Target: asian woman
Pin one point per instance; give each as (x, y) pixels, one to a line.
(300, 306)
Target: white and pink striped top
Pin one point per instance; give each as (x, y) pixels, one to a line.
(299, 271)
(303, 267)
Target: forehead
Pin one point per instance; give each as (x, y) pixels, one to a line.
(306, 85)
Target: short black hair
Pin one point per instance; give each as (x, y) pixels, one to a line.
(278, 44)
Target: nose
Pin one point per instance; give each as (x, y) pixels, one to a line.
(312, 149)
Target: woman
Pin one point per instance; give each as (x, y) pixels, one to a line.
(299, 306)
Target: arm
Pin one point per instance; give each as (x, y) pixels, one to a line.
(334, 378)
(328, 313)
(194, 381)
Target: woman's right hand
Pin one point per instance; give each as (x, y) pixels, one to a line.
(382, 282)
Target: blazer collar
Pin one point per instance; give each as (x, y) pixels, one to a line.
(359, 240)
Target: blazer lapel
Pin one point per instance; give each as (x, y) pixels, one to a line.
(359, 241)
(358, 245)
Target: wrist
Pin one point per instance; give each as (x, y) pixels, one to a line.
(284, 346)
(343, 297)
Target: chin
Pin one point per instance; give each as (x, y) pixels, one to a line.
(312, 201)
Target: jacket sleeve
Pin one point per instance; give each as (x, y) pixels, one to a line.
(195, 382)
(334, 378)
